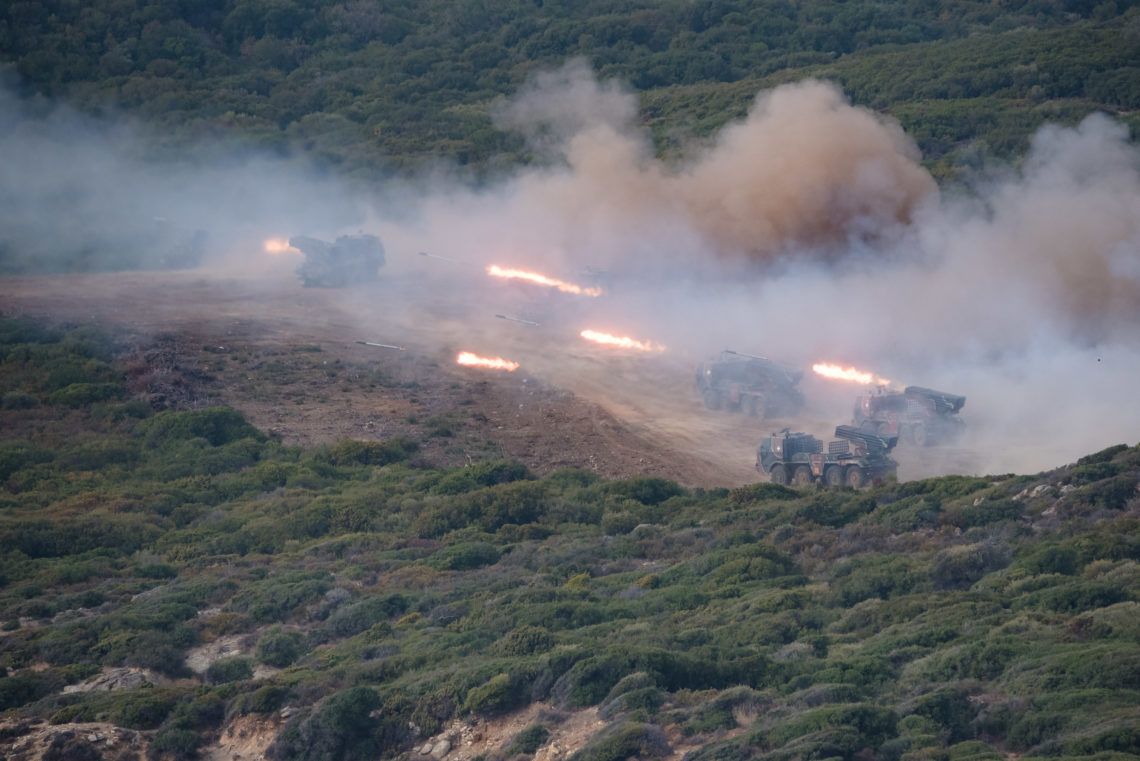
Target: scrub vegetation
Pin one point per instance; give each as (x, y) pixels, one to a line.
(379, 88)
(379, 597)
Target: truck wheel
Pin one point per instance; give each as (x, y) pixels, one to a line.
(779, 475)
(918, 434)
(753, 406)
(884, 429)
(868, 425)
(833, 476)
(855, 477)
(713, 399)
(801, 476)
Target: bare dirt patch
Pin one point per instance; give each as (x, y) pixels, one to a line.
(287, 358)
(28, 741)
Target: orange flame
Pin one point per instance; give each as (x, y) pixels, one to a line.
(535, 277)
(277, 246)
(492, 363)
(625, 342)
(835, 372)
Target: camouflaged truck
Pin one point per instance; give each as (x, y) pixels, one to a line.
(917, 415)
(756, 386)
(857, 459)
(348, 260)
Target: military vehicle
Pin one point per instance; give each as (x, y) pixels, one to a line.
(918, 415)
(347, 260)
(859, 458)
(753, 385)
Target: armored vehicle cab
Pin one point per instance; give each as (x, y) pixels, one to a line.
(752, 385)
(916, 414)
(857, 459)
(347, 260)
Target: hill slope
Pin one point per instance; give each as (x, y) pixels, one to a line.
(358, 600)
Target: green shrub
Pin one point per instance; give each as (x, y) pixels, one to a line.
(275, 598)
(280, 648)
(619, 524)
(17, 455)
(464, 556)
(984, 513)
(217, 425)
(487, 509)
(527, 741)
(959, 567)
(871, 576)
(176, 743)
(482, 475)
(647, 490)
(763, 492)
(144, 708)
(265, 699)
(499, 694)
(860, 725)
(1104, 455)
(342, 727)
(624, 740)
(951, 709)
(526, 640)
(837, 508)
(1049, 558)
(156, 571)
(25, 330)
(64, 371)
(18, 400)
(352, 452)
(82, 394)
(26, 687)
(234, 669)
(350, 620)
(1110, 493)
(1076, 596)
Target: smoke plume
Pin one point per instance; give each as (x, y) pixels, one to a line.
(807, 231)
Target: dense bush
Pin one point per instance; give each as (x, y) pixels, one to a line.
(217, 425)
(342, 727)
(932, 620)
(625, 740)
(233, 669)
(527, 741)
(280, 648)
(352, 452)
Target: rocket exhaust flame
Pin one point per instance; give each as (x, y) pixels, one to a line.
(624, 342)
(534, 277)
(835, 372)
(468, 359)
(277, 246)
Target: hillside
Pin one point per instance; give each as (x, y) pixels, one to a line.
(468, 500)
(377, 89)
(178, 583)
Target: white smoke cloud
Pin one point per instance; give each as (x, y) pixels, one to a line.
(807, 231)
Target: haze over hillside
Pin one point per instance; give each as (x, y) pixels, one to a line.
(230, 529)
(806, 231)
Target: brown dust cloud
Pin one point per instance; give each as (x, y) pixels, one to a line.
(807, 231)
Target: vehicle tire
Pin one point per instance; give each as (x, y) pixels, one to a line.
(801, 476)
(883, 429)
(753, 406)
(833, 476)
(778, 475)
(918, 435)
(713, 399)
(867, 425)
(855, 477)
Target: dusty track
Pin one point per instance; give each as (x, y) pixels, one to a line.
(568, 404)
(287, 357)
